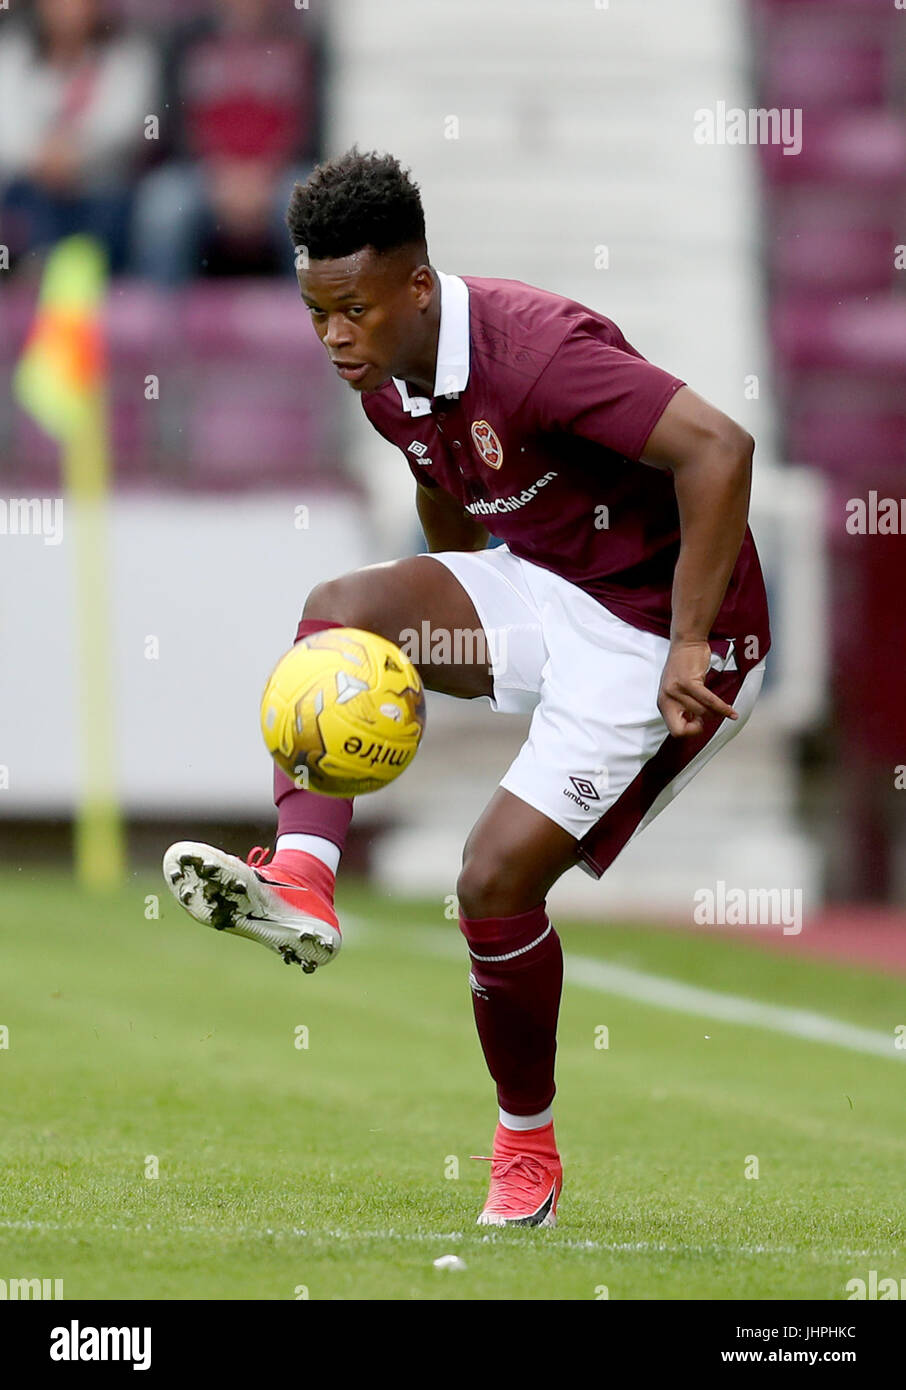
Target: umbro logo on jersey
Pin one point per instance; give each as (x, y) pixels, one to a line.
(419, 450)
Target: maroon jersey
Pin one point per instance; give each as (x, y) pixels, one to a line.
(540, 413)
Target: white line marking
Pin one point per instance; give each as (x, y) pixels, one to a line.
(482, 1235)
(664, 993)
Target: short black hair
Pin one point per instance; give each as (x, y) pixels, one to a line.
(355, 201)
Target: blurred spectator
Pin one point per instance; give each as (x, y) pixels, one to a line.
(243, 102)
(75, 88)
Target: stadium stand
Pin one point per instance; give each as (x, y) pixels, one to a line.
(836, 266)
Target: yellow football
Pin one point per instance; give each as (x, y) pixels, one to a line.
(343, 712)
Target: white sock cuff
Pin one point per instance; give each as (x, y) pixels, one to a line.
(526, 1121)
(316, 845)
(511, 955)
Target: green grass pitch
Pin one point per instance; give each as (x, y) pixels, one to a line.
(341, 1169)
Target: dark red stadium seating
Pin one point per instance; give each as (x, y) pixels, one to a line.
(859, 334)
(830, 70)
(866, 149)
(835, 216)
(833, 255)
(244, 398)
(848, 443)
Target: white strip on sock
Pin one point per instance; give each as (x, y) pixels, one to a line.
(322, 849)
(526, 1121)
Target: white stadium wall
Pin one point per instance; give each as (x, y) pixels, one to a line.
(205, 595)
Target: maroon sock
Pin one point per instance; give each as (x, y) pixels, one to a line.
(301, 812)
(516, 979)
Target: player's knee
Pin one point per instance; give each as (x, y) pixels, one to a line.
(340, 600)
(492, 886)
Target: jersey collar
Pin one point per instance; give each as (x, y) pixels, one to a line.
(452, 373)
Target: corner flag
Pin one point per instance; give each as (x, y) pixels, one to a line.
(61, 381)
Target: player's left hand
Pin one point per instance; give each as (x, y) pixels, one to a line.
(683, 697)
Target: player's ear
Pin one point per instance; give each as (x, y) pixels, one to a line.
(421, 282)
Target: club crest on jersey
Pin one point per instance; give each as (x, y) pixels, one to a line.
(487, 443)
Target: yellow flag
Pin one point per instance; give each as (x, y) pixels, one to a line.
(62, 367)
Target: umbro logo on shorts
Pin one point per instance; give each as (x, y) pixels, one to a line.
(582, 788)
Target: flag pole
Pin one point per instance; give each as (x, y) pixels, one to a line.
(98, 829)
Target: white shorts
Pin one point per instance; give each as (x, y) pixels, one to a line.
(599, 760)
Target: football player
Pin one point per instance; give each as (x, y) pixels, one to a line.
(625, 608)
